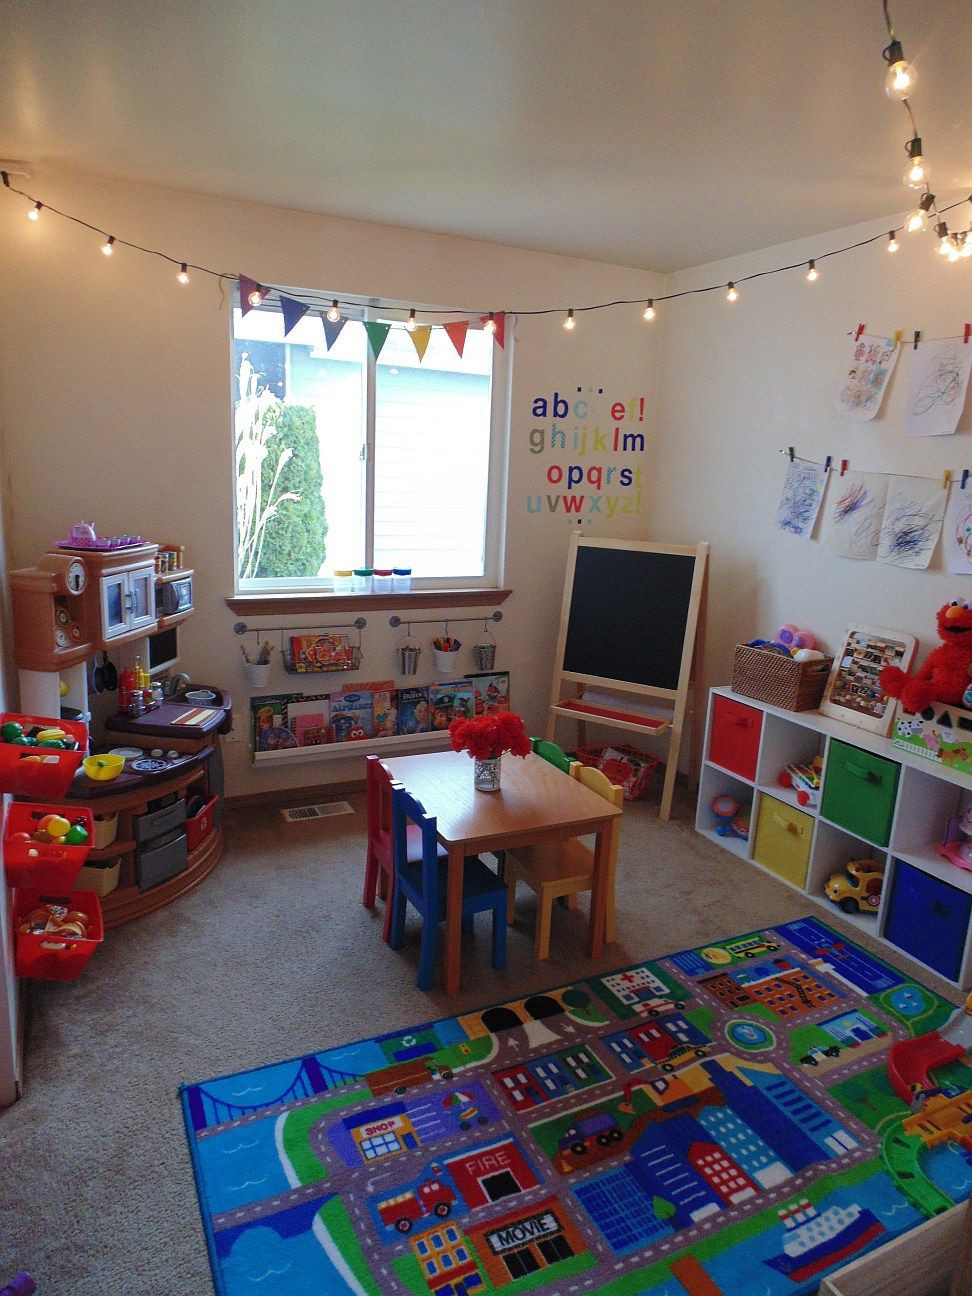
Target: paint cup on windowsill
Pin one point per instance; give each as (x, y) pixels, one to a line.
(401, 579)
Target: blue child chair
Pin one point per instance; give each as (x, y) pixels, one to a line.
(423, 882)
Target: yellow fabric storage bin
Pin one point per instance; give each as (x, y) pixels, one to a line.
(783, 836)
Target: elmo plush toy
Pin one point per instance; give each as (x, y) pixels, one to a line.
(946, 672)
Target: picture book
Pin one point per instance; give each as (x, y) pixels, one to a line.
(413, 710)
(451, 700)
(309, 721)
(491, 693)
(271, 731)
(321, 652)
(364, 712)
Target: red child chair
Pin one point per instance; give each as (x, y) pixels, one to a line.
(380, 859)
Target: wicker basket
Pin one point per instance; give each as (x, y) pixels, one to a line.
(780, 681)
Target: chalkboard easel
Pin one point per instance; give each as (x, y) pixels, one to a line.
(631, 622)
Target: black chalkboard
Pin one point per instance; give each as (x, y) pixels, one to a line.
(628, 615)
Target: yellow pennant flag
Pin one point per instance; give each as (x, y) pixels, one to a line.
(420, 339)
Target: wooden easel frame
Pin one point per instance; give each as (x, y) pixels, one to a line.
(692, 652)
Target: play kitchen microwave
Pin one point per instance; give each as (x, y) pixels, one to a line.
(173, 597)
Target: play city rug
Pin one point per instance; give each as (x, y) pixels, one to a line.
(716, 1121)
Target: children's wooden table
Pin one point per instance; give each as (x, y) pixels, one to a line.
(535, 803)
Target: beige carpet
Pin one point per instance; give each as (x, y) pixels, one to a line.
(273, 956)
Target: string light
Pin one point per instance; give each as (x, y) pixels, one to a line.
(490, 325)
(109, 245)
(570, 322)
(916, 172)
(256, 296)
(941, 233)
(183, 275)
(812, 275)
(900, 80)
(35, 211)
(410, 322)
(731, 294)
(649, 311)
(892, 242)
(334, 311)
(919, 217)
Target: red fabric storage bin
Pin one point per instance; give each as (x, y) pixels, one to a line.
(50, 777)
(45, 956)
(45, 864)
(734, 736)
(200, 824)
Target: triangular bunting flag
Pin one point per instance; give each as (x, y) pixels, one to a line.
(247, 286)
(332, 329)
(499, 319)
(377, 333)
(420, 340)
(457, 334)
(293, 312)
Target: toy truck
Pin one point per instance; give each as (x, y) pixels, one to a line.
(405, 1075)
(599, 1130)
(404, 1209)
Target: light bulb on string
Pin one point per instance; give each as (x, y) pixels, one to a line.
(900, 80)
(109, 245)
(892, 242)
(256, 297)
(649, 311)
(490, 325)
(570, 322)
(35, 211)
(919, 217)
(916, 172)
(334, 311)
(812, 274)
(731, 293)
(183, 275)
(410, 323)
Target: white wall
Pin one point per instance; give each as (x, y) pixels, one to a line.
(115, 404)
(742, 381)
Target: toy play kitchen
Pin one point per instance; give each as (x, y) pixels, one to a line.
(146, 784)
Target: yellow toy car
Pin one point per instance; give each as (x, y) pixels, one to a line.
(857, 887)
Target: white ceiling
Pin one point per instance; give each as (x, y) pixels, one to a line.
(647, 133)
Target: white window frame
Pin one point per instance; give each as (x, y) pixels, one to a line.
(372, 308)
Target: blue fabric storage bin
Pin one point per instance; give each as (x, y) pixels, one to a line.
(928, 919)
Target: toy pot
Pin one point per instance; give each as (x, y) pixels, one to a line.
(484, 655)
(408, 658)
(486, 774)
(257, 674)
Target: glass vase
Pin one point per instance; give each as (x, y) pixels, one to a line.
(486, 774)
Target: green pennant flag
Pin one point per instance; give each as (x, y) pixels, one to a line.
(377, 333)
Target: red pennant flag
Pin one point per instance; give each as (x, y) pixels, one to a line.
(499, 319)
(457, 334)
(247, 286)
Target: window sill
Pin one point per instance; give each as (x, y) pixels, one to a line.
(292, 604)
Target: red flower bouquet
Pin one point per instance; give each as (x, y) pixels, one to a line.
(490, 735)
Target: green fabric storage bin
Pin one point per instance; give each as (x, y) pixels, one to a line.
(859, 790)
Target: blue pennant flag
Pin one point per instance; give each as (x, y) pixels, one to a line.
(293, 312)
(332, 329)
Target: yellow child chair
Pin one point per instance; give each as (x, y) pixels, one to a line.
(564, 869)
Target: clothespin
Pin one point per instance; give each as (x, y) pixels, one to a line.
(790, 452)
(946, 478)
(898, 334)
(914, 344)
(843, 466)
(965, 333)
(965, 478)
(827, 462)
(860, 330)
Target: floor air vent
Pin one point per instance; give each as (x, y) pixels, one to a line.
(323, 810)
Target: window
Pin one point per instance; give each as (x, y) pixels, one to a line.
(343, 461)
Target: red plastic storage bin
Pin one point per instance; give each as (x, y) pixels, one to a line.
(47, 864)
(47, 778)
(734, 736)
(46, 956)
(200, 824)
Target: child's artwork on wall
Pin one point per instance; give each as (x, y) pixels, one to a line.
(912, 521)
(853, 692)
(802, 492)
(937, 384)
(852, 518)
(957, 533)
(864, 382)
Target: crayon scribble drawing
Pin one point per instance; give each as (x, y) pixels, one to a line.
(800, 502)
(866, 377)
(855, 507)
(937, 386)
(957, 532)
(912, 522)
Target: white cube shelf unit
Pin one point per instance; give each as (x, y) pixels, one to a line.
(896, 812)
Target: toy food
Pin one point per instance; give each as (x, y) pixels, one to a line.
(857, 887)
(944, 675)
(55, 919)
(101, 768)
